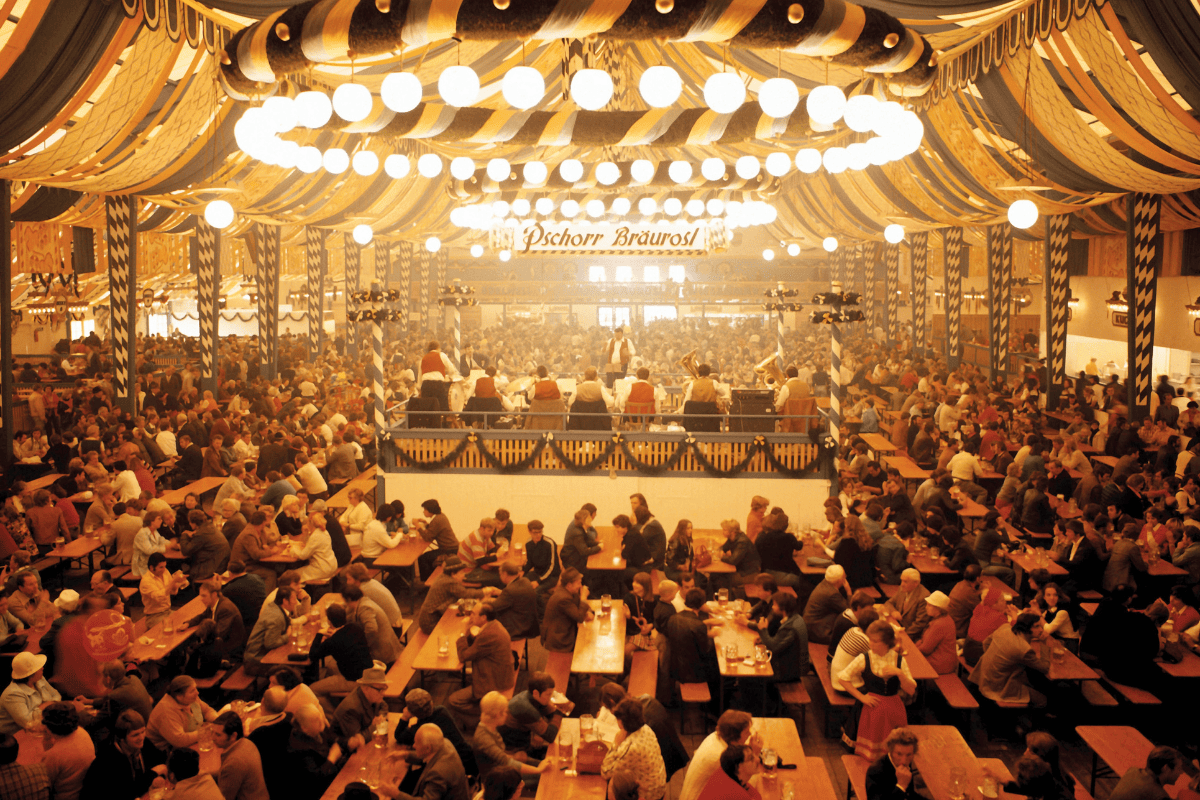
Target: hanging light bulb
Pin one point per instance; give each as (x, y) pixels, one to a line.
(808, 160)
(595, 208)
(694, 207)
(520, 207)
(642, 171)
(1022, 214)
(363, 234)
(365, 162)
(308, 160)
(544, 206)
(724, 92)
(608, 173)
(500, 208)
(282, 112)
(570, 208)
(498, 169)
(834, 160)
(673, 206)
(433, 244)
(660, 86)
(458, 86)
(894, 234)
(825, 104)
(768, 254)
(505, 255)
(523, 87)
(778, 97)
(591, 89)
(715, 207)
(713, 169)
(878, 151)
(401, 91)
(793, 249)
(860, 113)
(747, 167)
(647, 206)
(858, 157)
(476, 250)
(778, 164)
(429, 165)
(886, 116)
(830, 244)
(680, 171)
(352, 102)
(396, 166)
(462, 167)
(534, 173)
(336, 160)
(570, 170)
(313, 109)
(218, 214)
(620, 206)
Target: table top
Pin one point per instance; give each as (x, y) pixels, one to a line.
(598, 652)
(715, 539)
(451, 626)
(878, 442)
(369, 755)
(733, 633)
(918, 665)
(610, 550)
(163, 644)
(42, 482)
(943, 749)
(176, 497)
(1163, 568)
(908, 469)
(1029, 563)
(78, 547)
(1068, 667)
(556, 783)
(970, 508)
(926, 565)
(1189, 667)
(280, 654)
(1110, 461)
(1119, 746)
(402, 555)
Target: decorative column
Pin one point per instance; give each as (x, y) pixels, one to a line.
(871, 268)
(1000, 271)
(774, 305)
(404, 257)
(1143, 242)
(121, 214)
(267, 241)
(457, 296)
(837, 260)
(952, 239)
(834, 318)
(891, 285)
(353, 262)
(208, 282)
(315, 260)
(7, 379)
(441, 262)
(1058, 289)
(423, 257)
(918, 246)
(860, 269)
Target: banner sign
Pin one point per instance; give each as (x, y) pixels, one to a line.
(637, 239)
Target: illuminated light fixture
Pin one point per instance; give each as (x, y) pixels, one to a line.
(1022, 214)
(1118, 302)
(570, 208)
(620, 206)
(433, 244)
(523, 87)
(834, 160)
(694, 207)
(768, 254)
(860, 113)
(462, 167)
(825, 104)
(505, 255)
(808, 160)
(793, 249)
(313, 109)
(830, 243)
(476, 250)
(647, 206)
(352, 102)
(778, 164)
(591, 89)
(660, 86)
(778, 97)
(501, 208)
(520, 207)
(858, 156)
(878, 151)
(747, 167)
(336, 160)
(535, 172)
(397, 166)
(363, 234)
(218, 214)
(680, 171)
(595, 208)
(282, 112)
(429, 165)
(498, 169)
(715, 207)
(544, 206)
(894, 234)
(365, 162)
(642, 171)
(608, 173)
(458, 86)
(401, 91)
(673, 206)
(1073, 301)
(570, 170)
(1193, 309)
(887, 116)
(713, 169)
(724, 92)
(308, 160)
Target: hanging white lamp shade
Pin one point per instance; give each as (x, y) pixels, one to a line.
(433, 244)
(365, 162)
(713, 169)
(363, 234)
(401, 91)
(397, 165)
(724, 92)
(544, 206)
(808, 160)
(642, 171)
(520, 207)
(620, 206)
(1023, 214)
(313, 109)
(498, 169)
(778, 97)
(680, 171)
(747, 167)
(825, 104)
(595, 208)
(591, 89)
(336, 160)
(647, 206)
(834, 160)
(673, 206)
(462, 168)
(858, 157)
(830, 244)
(607, 173)
(282, 112)
(570, 208)
(860, 113)
(535, 172)
(660, 86)
(778, 164)
(523, 87)
(458, 86)
(894, 234)
(570, 170)
(308, 160)
(218, 214)
(429, 165)
(352, 102)
(793, 249)
(476, 250)
(886, 116)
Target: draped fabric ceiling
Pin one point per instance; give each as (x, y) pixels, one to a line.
(1070, 103)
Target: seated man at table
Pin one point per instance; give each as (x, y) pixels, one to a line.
(358, 575)
(826, 603)
(693, 655)
(314, 754)
(1002, 673)
(488, 745)
(419, 710)
(517, 606)
(442, 777)
(381, 637)
(1164, 766)
(270, 631)
(230, 627)
(907, 607)
(123, 765)
(733, 727)
(446, 590)
(241, 775)
(478, 551)
(251, 547)
(488, 648)
(358, 710)
(565, 610)
(532, 721)
(895, 775)
(177, 719)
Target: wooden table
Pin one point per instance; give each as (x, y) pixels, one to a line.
(715, 539)
(926, 565)
(42, 482)
(279, 656)
(733, 634)
(370, 764)
(403, 555)
(1068, 667)
(78, 549)
(810, 778)
(609, 557)
(1108, 461)
(878, 443)
(555, 782)
(918, 665)
(1164, 569)
(1120, 746)
(163, 643)
(1189, 667)
(970, 509)
(175, 497)
(943, 749)
(598, 652)
(909, 470)
(451, 626)
(1023, 562)
(365, 483)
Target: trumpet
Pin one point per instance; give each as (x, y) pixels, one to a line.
(688, 362)
(770, 373)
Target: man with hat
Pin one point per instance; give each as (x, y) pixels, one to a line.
(22, 701)
(442, 777)
(938, 640)
(356, 714)
(419, 710)
(446, 590)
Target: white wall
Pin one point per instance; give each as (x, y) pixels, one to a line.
(554, 499)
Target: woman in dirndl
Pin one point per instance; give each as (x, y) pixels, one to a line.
(875, 679)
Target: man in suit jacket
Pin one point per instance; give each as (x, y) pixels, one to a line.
(231, 628)
(1124, 561)
(1080, 558)
(1007, 654)
(693, 655)
(908, 604)
(488, 647)
(826, 604)
(442, 777)
(895, 776)
(566, 608)
(516, 607)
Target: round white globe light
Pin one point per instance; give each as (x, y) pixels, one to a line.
(858, 156)
(498, 169)
(505, 255)
(793, 249)
(647, 206)
(768, 254)
(397, 166)
(724, 92)
(313, 109)
(1022, 214)
(825, 104)
(401, 91)
(429, 165)
(462, 167)
(289, 155)
(834, 160)
(595, 208)
(694, 207)
(433, 244)
(591, 89)
(535, 172)
(282, 112)
(476, 250)
(673, 206)
(570, 170)
(713, 169)
(715, 207)
(660, 86)
(500, 208)
(570, 208)
(747, 167)
(680, 171)
(642, 171)
(336, 160)
(520, 207)
(620, 206)
(252, 130)
(778, 164)
(908, 131)
(460, 216)
(308, 160)
(778, 97)
(544, 206)
(523, 87)
(218, 214)
(886, 116)
(860, 112)
(808, 160)
(363, 234)
(365, 162)
(352, 102)
(608, 173)
(830, 244)
(878, 151)
(894, 234)
(458, 86)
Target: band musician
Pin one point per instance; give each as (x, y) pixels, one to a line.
(436, 375)
(617, 353)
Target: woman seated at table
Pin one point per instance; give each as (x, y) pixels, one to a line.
(288, 521)
(854, 552)
(875, 679)
(356, 517)
(937, 643)
(1054, 606)
(680, 551)
(636, 749)
(146, 542)
(376, 538)
(317, 550)
(639, 611)
(157, 588)
(732, 780)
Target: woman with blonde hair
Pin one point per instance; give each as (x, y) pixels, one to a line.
(758, 511)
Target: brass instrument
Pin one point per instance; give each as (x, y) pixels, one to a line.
(688, 362)
(771, 373)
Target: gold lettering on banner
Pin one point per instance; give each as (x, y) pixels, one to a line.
(679, 239)
(1120, 319)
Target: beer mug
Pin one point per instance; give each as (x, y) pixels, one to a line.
(761, 654)
(605, 603)
(168, 625)
(731, 653)
(443, 647)
(587, 724)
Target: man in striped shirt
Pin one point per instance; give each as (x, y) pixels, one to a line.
(479, 552)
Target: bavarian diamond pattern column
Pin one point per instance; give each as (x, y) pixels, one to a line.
(871, 262)
(423, 257)
(835, 376)
(1000, 270)
(1058, 288)
(952, 239)
(837, 261)
(121, 215)
(267, 280)
(208, 272)
(918, 246)
(780, 360)
(314, 251)
(1143, 241)
(441, 261)
(377, 374)
(860, 278)
(353, 262)
(404, 256)
(891, 286)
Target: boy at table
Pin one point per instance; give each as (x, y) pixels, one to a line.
(489, 746)
(895, 775)
(532, 719)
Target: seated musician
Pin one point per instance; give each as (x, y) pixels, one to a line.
(591, 389)
(794, 389)
(436, 374)
(641, 391)
(485, 387)
(543, 388)
(706, 390)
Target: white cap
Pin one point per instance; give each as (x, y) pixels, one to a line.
(834, 573)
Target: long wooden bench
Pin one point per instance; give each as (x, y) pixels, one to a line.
(818, 654)
(856, 776)
(558, 666)
(643, 674)
(1095, 696)
(401, 673)
(795, 694)
(1132, 694)
(238, 681)
(956, 693)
